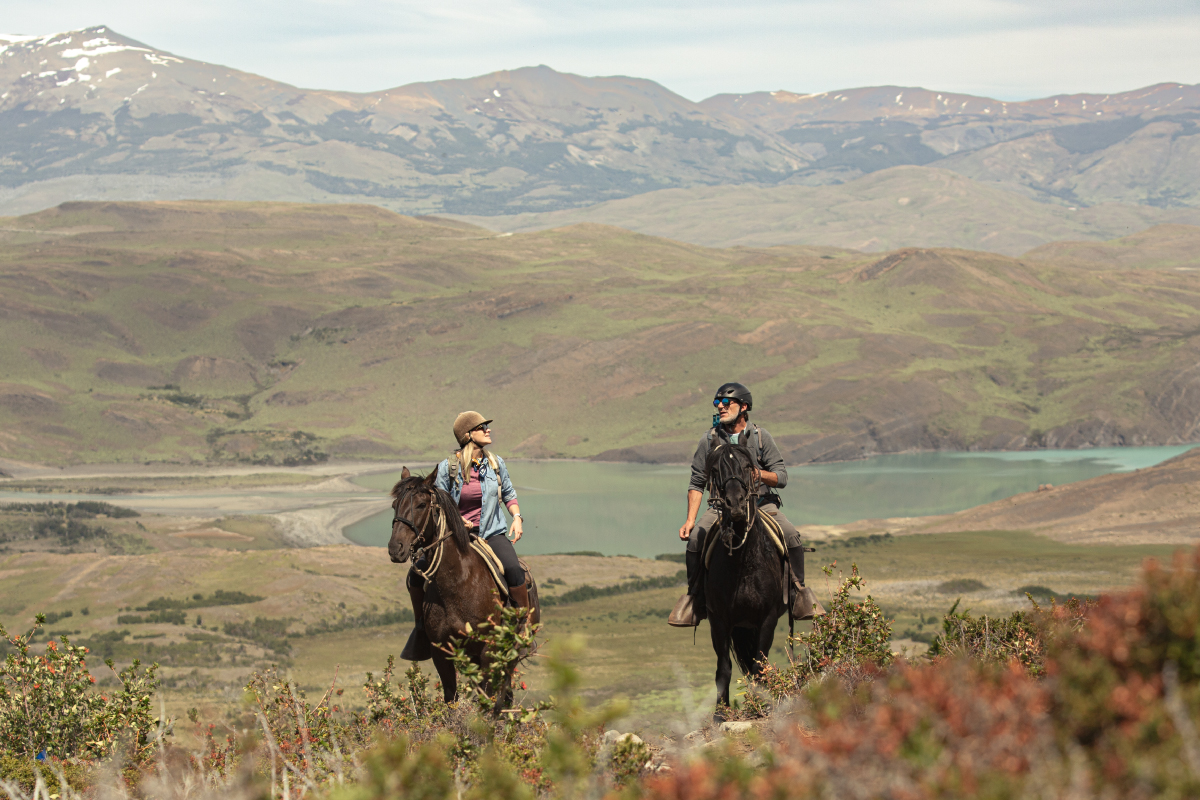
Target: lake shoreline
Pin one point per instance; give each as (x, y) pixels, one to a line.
(12, 471)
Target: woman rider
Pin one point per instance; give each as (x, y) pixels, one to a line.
(478, 481)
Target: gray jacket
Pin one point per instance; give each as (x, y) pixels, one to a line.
(762, 447)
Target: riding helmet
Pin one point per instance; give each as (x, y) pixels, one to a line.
(464, 423)
(736, 391)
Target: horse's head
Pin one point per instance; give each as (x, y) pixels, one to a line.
(733, 482)
(413, 508)
(422, 515)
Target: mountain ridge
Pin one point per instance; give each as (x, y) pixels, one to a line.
(94, 115)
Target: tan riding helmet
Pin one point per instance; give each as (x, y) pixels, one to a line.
(464, 423)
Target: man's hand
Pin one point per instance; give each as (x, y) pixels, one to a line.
(685, 530)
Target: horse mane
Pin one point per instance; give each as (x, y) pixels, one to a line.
(458, 530)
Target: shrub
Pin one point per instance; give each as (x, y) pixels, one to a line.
(1019, 637)
(299, 733)
(961, 586)
(48, 704)
(508, 641)
(851, 639)
(25, 771)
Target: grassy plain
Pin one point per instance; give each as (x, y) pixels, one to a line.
(285, 334)
(906, 206)
(325, 598)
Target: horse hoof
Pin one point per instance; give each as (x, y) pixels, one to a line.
(719, 715)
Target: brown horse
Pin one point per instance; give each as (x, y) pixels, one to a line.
(461, 590)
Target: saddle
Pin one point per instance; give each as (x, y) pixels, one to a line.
(494, 567)
(791, 586)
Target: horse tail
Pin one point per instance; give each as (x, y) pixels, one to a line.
(745, 649)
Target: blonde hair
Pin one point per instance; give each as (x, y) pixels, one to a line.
(467, 455)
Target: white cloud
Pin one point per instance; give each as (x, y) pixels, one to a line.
(1012, 49)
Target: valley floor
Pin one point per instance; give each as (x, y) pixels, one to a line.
(339, 609)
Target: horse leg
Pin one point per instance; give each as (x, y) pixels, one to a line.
(766, 638)
(446, 672)
(720, 643)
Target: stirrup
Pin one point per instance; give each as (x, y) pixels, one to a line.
(418, 647)
(684, 614)
(805, 605)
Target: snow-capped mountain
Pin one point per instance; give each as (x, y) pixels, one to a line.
(92, 114)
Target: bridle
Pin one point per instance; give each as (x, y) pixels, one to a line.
(751, 487)
(444, 532)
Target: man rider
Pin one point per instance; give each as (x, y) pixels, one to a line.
(733, 402)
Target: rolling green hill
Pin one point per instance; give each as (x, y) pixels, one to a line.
(277, 333)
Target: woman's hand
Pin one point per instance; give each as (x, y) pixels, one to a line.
(468, 523)
(514, 532)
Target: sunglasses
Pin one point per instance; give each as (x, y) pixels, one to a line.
(723, 402)
(484, 428)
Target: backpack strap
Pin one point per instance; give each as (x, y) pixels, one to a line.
(452, 466)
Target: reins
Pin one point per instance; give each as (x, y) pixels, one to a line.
(437, 545)
(751, 496)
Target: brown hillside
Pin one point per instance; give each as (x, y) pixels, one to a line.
(1160, 504)
(277, 333)
(1161, 247)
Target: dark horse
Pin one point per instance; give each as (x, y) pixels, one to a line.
(461, 590)
(743, 584)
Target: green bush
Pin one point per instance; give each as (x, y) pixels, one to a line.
(48, 703)
(23, 771)
(850, 640)
(998, 640)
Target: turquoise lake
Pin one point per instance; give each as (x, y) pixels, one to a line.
(636, 509)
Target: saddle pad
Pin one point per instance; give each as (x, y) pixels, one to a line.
(493, 564)
(773, 530)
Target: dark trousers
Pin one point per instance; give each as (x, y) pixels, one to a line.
(504, 550)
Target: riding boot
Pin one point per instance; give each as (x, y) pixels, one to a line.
(520, 595)
(418, 646)
(691, 608)
(804, 603)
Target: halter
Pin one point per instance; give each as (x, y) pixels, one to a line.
(751, 492)
(444, 532)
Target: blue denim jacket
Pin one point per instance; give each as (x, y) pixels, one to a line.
(495, 488)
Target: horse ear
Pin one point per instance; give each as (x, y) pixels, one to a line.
(405, 474)
(429, 479)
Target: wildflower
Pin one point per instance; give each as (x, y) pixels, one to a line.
(523, 686)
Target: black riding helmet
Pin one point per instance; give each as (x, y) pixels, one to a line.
(736, 391)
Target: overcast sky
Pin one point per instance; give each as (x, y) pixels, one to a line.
(1012, 50)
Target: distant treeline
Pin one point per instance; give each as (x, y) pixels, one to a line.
(84, 509)
(586, 592)
(367, 619)
(64, 522)
(270, 634)
(218, 598)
